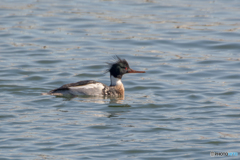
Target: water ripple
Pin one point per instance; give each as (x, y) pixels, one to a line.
(184, 106)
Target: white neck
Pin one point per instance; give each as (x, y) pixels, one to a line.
(115, 81)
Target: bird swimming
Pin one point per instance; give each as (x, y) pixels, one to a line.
(94, 88)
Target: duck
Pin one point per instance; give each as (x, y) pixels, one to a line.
(93, 88)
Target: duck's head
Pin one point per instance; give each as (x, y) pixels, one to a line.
(121, 67)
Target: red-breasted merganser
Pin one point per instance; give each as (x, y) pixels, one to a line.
(94, 88)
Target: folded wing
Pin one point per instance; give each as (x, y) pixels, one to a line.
(88, 87)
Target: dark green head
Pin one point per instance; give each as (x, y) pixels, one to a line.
(121, 67)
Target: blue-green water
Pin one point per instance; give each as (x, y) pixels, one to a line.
(185, 105)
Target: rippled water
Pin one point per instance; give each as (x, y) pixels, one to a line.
(184, 106)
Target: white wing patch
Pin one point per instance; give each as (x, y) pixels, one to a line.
(89, 86)
(89, 89)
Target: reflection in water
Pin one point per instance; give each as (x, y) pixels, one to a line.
(113, 102)
(113, 114)
(118, 105)
(95, 99)
(116, 100)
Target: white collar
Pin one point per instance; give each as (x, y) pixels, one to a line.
(115, 81)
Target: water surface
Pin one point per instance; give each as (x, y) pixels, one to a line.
(184, 106)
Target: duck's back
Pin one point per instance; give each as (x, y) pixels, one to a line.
(88, 87)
